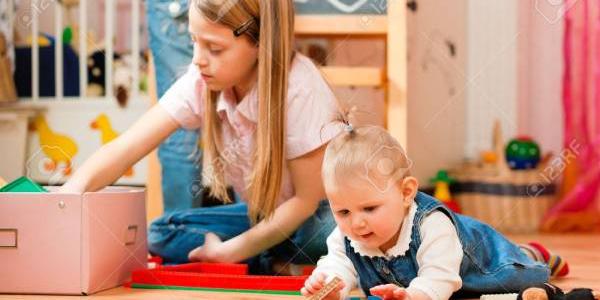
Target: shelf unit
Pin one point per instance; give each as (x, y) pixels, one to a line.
(391, 78)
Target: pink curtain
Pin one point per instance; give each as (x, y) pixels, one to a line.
(578, 206)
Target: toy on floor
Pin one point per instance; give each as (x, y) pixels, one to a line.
(216, 278)
(442, 190)
(22, 185)
(551, 292)
(546, 291)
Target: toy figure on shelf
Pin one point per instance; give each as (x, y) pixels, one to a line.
(442, 190)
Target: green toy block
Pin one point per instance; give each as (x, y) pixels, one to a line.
(23, 185)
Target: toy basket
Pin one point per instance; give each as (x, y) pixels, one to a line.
(512, 201)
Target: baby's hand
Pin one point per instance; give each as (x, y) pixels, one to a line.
(315, 283)
(390, 292)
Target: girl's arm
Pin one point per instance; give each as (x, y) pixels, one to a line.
(107, 164)
(306, 176)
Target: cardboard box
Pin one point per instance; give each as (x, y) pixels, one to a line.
(57, 243)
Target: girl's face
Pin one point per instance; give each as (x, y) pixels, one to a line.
(370, 216)
(224, 60)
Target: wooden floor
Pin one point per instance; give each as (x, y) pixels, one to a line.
(581, 251)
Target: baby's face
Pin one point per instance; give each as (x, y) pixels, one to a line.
(370, 216)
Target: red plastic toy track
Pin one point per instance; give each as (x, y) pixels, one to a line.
(215, 276)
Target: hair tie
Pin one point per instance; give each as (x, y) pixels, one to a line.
(349, 128)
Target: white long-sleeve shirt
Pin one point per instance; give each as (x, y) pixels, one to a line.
(439, 256)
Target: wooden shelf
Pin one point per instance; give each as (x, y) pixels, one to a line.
(341, 25)
(354, 76)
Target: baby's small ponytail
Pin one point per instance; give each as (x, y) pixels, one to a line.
(347, 117)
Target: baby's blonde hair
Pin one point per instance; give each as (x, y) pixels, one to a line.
(366, 156)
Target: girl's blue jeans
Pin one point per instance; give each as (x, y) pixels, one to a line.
(175, 234)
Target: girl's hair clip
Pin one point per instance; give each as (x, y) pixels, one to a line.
(243, 28)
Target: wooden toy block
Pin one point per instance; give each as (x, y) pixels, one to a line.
(328, 288)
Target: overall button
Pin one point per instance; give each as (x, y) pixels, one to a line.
(174, 9)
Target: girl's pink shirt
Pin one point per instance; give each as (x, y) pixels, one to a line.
(311, 109)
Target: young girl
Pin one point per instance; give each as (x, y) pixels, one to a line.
(402, 243)
(266, 114)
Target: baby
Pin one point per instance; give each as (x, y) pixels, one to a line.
(399, 243)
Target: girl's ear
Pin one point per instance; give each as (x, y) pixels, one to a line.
(409, 187)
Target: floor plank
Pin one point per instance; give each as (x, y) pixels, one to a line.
(581, 251)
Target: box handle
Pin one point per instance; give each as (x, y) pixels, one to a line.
(9, 238)
(131, 235)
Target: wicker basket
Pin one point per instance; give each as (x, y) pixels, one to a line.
(511, 204)
(512, 201)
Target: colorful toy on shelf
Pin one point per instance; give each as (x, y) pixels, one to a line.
(489, 157)
(442, 190)
(67, 35)
(522, 153)
(23, 185)
(215, 277)
(70, 32)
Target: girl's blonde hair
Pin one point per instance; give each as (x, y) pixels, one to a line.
(364, 155)
(269, 23)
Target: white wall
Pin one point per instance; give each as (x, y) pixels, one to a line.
(491, 77)
(540, 74)
(436, 95)
(508, 67)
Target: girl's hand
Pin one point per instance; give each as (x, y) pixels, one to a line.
(315, 283)
(213, 250)
(390, 292)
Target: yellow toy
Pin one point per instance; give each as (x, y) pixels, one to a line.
(107, 134)
(58, 148)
